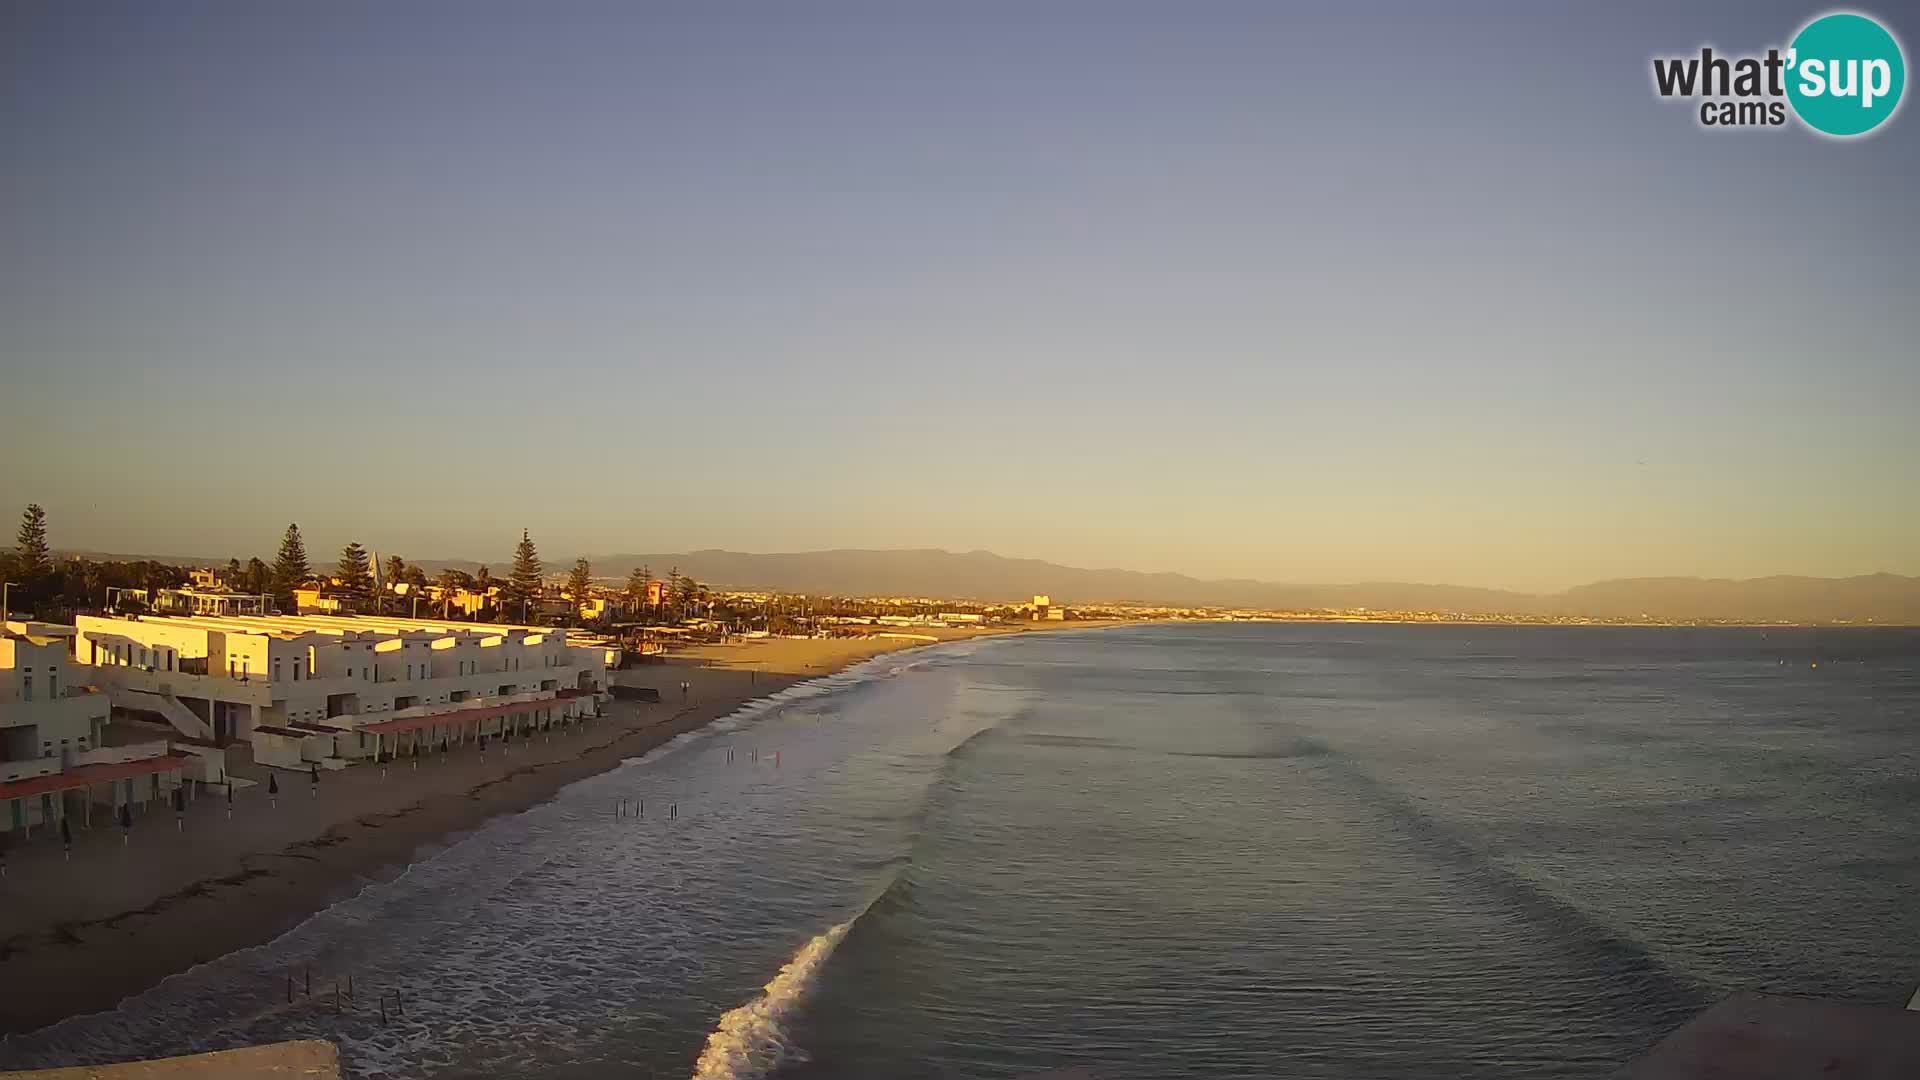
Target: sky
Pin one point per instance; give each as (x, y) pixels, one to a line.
(1338, 292)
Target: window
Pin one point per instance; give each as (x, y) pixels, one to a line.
(276, 669)
(53, 687)
(296, 671)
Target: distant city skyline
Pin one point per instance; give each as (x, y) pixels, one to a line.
(1109, 285)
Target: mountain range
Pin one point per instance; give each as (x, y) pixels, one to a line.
(982, 575)
(1889, 599)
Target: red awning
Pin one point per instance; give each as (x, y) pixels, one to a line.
(87, 775)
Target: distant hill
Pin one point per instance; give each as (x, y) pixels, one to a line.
(982, 575)
(1884, 598)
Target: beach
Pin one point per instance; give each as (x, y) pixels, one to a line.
(125, 911)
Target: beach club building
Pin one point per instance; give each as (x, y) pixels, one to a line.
(321, 690)
(52, 763)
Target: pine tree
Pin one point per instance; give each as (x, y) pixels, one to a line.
(355, 570)
(32, 558)
(580, 583)
(232, 578)
(257, 578)
(290, 569)
(672, 594)
(523, 584)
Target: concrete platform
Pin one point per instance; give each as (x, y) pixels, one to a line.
(1757, 1037)
(310, 1059)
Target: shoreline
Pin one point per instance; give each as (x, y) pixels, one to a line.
(81, 936)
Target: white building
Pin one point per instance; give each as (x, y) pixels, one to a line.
(319, 689)
(197, 601)
(52, 762)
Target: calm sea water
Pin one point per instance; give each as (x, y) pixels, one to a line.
(1220, 850)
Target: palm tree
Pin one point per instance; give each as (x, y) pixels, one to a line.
(452, 581)
(483, 584)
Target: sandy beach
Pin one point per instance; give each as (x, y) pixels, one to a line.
(78, 935)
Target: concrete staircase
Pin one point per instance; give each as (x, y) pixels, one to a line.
(169, 707)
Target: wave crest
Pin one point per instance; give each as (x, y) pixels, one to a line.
(750, 1040)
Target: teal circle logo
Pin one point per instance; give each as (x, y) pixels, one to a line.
(1845, 74)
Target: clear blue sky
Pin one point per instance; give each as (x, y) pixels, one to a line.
(1295, 292)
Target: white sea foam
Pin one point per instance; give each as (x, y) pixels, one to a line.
(512, 940)
(750, 1040)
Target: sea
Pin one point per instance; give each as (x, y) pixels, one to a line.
(1211, 850)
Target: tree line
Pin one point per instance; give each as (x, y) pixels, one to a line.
(56, 589)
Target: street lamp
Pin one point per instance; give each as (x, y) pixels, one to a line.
(5, 588)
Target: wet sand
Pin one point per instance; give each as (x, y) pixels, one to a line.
(124, 913)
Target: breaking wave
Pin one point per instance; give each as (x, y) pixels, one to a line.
(750, 1040)
(522, 925)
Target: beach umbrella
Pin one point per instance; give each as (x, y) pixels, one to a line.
(126, 823)
(66, 838)
(179, 809)
(416, 753)
(316, 778)
(273, 789)
(229, 800)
